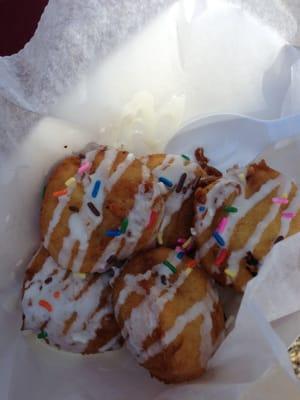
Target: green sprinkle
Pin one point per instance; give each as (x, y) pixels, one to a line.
(42, 335)
(185, 157)
(170, 266)
(231, 209)
(124, 225)
(43, 192)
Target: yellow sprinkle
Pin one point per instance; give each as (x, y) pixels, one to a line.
(70, 181)
(229, 273)
(188, 271)
(80, 275)
(284, 196)
(242, 177)
(160, 238)
(187, 243)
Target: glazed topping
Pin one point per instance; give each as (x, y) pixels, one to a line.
(70, 308)
(235, 183)
(120, 241)
(144, 318)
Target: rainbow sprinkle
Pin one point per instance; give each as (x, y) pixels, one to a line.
(45, 304)
(181, 241)
(86, 165)
(180, 255)
(285, 195)
(288, 214)
(280, 200)
(170, 266)
(185, 157)
(56, 295)
(230, 273)
(79, 275)
(60, 193)
(94, 210)
(124, 225)
(230, 209)
(165, 181)
(113, 233)
(218, 238)
(222, 256)
(42, 335)
(191, 264)
(222, 225)
(242, 176)
(202, 209)
(71, 181)
(187, 243)
(96, 189)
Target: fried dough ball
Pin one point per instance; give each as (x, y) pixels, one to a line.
(97, 209)
(240, 217)
(169, 314)
(71, 312)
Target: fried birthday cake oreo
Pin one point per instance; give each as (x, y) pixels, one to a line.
(240, 217)
(169, 314)
(178, 177)
(99, 207)
(70, 311)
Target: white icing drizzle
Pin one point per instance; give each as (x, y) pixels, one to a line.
(172, 167)
(294, 206)
(144, 318)
(242, 204)
(88, 320)
(138, 219)
(235, 257)
(62, 202)
(82, 224)
(203, 308)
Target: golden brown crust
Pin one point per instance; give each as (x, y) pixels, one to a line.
(118, 203)
(255, 176)
(180, 360)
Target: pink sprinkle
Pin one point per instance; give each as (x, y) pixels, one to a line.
(178, 249)
(222, 224)
(86, 165)
(181, 241)
(280, 200)
(288, 215)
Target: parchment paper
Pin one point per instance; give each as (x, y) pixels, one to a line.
(121, 75)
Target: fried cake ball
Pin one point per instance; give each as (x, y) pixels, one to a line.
(71, 312)
(240, 217)
(169, 314)
(97, 208)
(178, 177)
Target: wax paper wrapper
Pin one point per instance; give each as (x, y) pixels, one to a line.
(131, 72)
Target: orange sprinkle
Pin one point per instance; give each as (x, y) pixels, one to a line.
(56, 295)
(191, 264)
(45, 304)
(60, 193)
(153, 219)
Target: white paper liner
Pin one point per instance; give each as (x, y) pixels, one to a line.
(212, 59)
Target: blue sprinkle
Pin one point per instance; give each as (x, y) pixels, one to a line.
(113, 233)
(165, 181)
(202, 208)
(96, 189)
(219, 239)
(180, 255)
